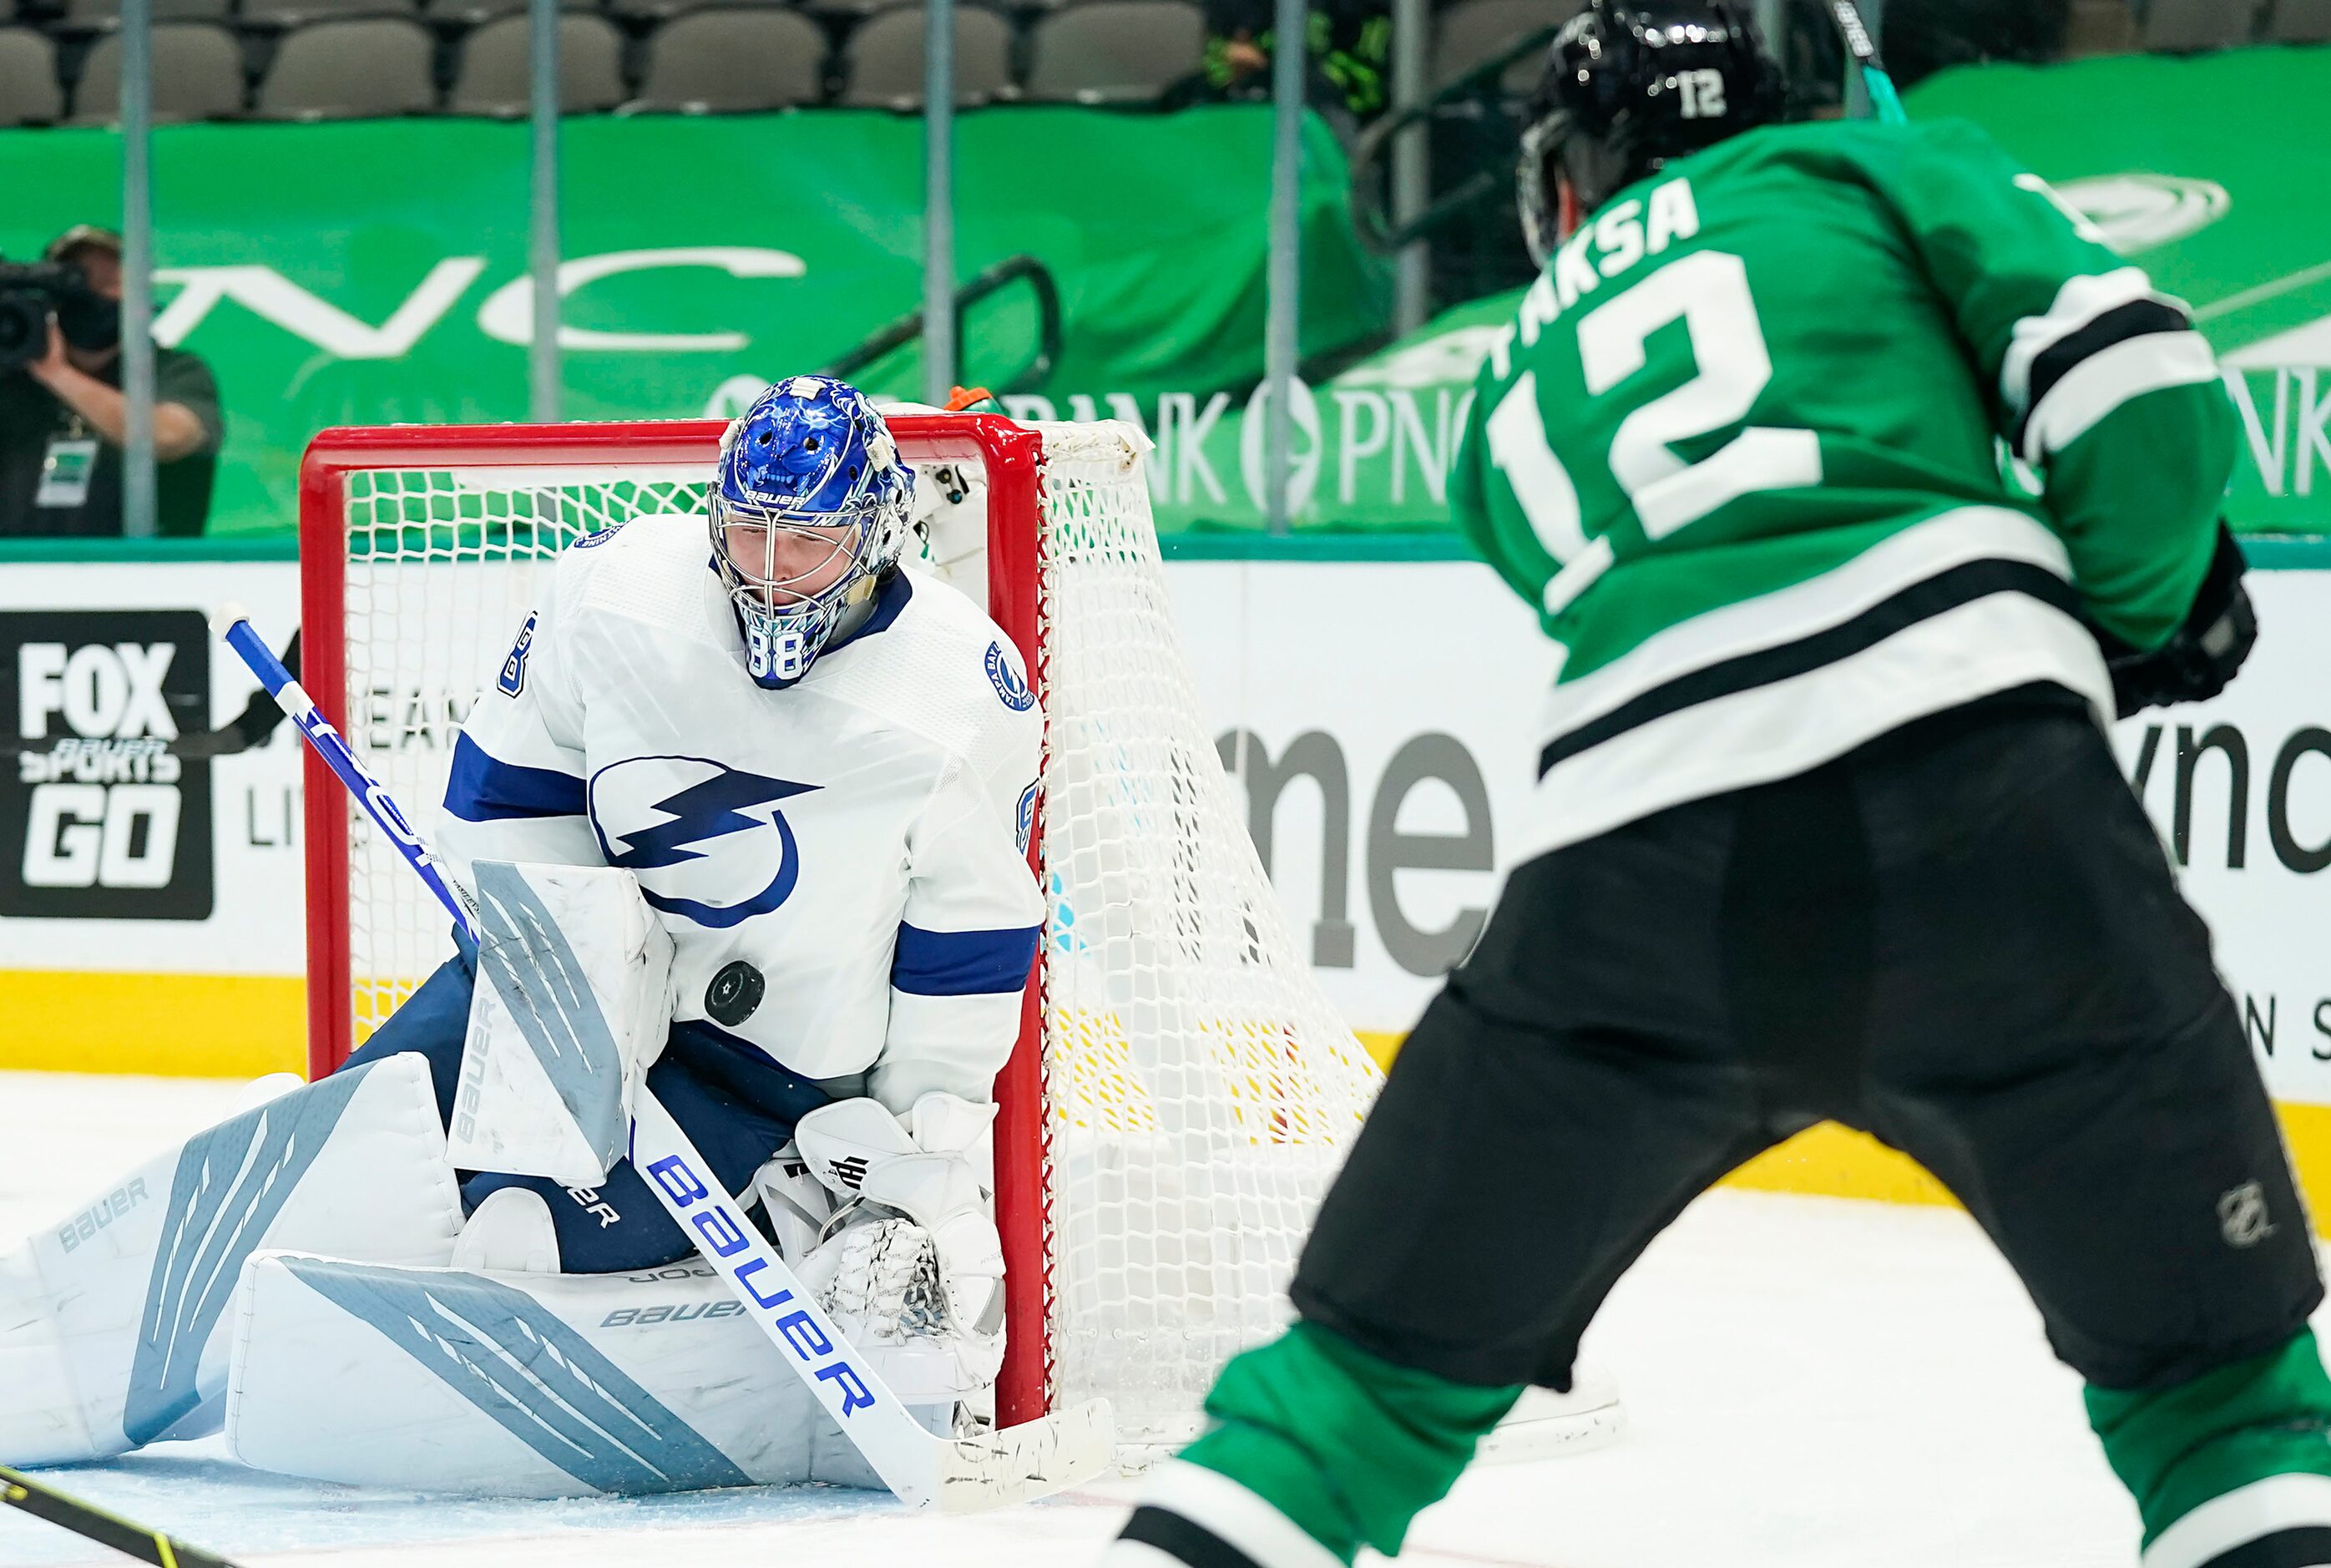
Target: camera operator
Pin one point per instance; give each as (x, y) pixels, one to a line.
(62, 415)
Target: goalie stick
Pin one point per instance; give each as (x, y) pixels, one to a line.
(958, 1475)
(94, 1524)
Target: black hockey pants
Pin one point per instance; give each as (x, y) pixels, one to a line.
(1963, 938)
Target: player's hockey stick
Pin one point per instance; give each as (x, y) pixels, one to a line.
(248, 729)
(959, 1475)
(95, 1524)
(1884, 101)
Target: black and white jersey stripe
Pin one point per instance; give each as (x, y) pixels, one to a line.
(2105, 340)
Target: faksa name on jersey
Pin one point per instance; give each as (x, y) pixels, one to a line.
(1740, 447)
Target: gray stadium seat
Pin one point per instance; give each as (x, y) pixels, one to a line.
(494, 76)
(1471, 30)
(487, 10)
(197, 74)
(2100, 28)
(354, 66)
(290, 13)
(82, 11)
(657, 10)
(1117, 49)
(2198, 23)
(28, 78)
(2300, 22)
(884, 57)
(735, 60)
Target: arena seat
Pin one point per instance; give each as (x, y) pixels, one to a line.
(85, 12)
(197, 74)
(1116, 49)
(2197, 24)
(727, 58)
(481, 11)
(292, 13)
(352, 66)
(883, 60)
(2300, 22)
(28, 93)
(494, 76)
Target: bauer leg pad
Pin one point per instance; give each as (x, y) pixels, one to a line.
(2230, 1467)
(520, 1384)
(113, 1323)
(1319, 1449)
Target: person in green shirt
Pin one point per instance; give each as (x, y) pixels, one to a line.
(1826, 824)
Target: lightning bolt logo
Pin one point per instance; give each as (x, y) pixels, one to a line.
(718, 806)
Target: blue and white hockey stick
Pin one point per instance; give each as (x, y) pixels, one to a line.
(959, 1475)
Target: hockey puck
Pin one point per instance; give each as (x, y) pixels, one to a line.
(734, 993)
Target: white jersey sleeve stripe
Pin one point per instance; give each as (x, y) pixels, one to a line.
(2080, 301)
(2111, 377)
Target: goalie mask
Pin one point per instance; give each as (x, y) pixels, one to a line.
(809, 510)
(1629, 86)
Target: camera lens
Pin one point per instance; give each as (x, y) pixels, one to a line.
(24, 329)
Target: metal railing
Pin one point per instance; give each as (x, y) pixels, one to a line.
(907, 329)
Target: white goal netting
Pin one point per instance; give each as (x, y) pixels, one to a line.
(1198, 1088)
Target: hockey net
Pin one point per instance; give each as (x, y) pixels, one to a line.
(1182, 1089)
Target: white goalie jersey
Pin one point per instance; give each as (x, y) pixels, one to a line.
(857, 842)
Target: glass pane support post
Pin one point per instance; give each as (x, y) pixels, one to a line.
(940, 349)
(1282, 320)
(543, 376)
(140, 515)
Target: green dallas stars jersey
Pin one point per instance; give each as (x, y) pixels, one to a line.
(1741, 447)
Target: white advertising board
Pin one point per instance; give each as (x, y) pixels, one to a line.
(1376, 715)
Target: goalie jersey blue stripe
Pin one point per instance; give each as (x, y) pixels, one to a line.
(962, 962)
(485, 789)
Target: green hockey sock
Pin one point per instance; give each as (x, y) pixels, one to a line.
(1347, 1447)
(2179, 1449)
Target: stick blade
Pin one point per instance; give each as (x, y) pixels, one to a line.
(1034, 1460)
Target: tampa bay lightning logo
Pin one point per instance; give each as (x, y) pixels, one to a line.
(1010, 684)
(706, 839)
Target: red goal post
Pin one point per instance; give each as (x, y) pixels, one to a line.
(1179, 1090)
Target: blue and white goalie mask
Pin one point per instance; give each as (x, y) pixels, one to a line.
(809, 510)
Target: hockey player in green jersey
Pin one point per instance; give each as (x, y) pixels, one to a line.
(1827, 825)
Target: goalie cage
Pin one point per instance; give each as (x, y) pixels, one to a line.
(1181, 1090)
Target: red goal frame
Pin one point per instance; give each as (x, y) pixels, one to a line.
(1013, 456)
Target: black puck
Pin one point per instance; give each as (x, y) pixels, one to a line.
(734, 993)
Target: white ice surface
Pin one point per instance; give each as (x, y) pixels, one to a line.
(1810, 1383)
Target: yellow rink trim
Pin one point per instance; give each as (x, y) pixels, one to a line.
(244, 1025)
(172, 1025)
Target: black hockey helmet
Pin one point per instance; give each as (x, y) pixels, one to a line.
(1628, 85)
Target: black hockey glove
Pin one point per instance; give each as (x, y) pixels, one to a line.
(2204, 651)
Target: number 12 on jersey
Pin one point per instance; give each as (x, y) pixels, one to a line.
(1708, 291)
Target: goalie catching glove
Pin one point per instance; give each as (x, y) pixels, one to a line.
(911, 1257)
(2203, 655)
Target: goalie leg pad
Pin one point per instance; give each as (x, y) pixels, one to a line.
(520, 1384)
(113, 1324)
